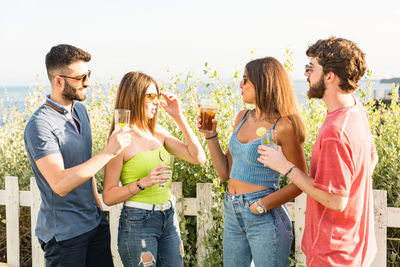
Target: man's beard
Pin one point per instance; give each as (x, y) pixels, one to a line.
(71, 93)
(317, 90)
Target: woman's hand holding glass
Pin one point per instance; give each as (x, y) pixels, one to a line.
(207, 133)
(157, 175)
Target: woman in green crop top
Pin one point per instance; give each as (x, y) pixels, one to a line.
(140, 176)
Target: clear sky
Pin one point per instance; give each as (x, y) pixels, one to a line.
(156, 35)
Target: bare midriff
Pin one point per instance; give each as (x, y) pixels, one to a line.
(236, 187)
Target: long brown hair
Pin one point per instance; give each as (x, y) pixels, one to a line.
(274, 92)
(131, 95)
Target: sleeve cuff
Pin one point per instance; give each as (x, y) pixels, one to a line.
(331, 190)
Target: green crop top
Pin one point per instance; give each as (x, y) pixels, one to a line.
(139, 166)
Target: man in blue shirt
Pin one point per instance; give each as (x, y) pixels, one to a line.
(71, 226)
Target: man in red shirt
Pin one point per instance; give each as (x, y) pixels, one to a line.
(339, 226)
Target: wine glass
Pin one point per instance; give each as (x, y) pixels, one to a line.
(122, 118)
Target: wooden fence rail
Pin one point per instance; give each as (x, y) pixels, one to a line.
(12, 198)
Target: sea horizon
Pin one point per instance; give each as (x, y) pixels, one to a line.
(17, 94)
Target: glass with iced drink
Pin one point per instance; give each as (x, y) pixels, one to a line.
(268, 138)
(208, 109)
(166, 159)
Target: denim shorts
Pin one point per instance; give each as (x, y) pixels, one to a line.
(149, 238)
(264, 238)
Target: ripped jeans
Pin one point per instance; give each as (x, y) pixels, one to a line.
(264, 238)
(149, 238)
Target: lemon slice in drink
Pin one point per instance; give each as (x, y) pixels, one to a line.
(261, 131)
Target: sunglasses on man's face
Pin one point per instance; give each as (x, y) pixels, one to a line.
(309, 68)
(153, 96)
(83, 78)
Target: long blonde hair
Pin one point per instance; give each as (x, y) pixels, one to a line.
(274, 92)
(131, 95)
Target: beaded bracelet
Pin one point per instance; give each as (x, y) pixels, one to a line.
(138, 185)
(287, 173)
(211, 137)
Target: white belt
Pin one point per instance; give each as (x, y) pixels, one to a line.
(145, 206)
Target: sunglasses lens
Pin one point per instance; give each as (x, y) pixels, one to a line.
(85, 77)
(152, 96)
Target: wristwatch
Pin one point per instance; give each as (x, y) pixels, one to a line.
(260, 208)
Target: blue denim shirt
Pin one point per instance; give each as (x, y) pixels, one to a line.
(51, 130)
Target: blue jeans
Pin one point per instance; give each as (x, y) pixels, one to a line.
(149, 238)
(91, 249)
(265, 238)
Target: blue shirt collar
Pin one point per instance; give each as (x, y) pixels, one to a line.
(57, 106)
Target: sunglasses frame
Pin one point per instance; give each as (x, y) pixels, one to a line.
(83, 78)
(308, 68)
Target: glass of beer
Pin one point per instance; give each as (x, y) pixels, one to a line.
(208, 109)
(122, 118)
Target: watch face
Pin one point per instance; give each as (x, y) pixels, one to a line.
(260, 209)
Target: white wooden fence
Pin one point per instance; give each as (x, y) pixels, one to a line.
(12, 198)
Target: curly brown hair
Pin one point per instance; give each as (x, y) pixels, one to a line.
(63, 55)
(342, 57)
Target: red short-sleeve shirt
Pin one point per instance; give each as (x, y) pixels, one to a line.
(341, 164)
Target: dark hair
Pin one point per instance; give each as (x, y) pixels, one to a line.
(131, 95)
(274, 92)
(342, 57)
(63, 55)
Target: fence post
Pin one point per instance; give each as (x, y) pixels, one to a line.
(176, 190)
(299, 223)
(204, 204)
(12, 217)
(115, 212)
(381, 219)
(36, 200)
